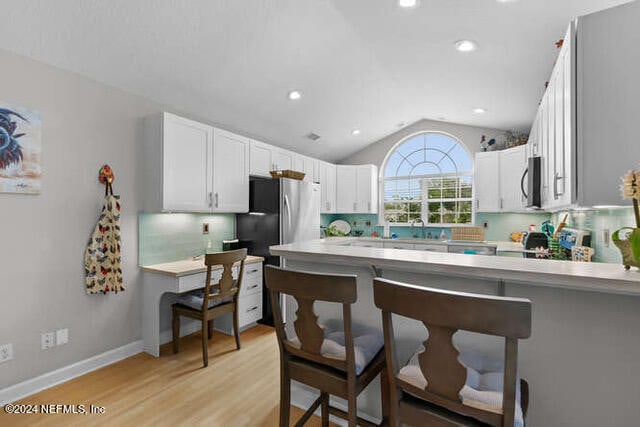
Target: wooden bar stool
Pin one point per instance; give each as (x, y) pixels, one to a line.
(435, 388)
(339, 361)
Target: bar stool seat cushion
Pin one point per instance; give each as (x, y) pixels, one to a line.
(195, 299)
(483, 388)
(367, 342)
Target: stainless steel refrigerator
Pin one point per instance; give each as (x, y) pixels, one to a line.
(280, 211)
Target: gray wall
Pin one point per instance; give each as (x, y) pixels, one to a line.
(469, 135)
(84, 125)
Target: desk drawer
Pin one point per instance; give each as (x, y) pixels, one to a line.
(250, 309)
(252, 280)
(196, 281)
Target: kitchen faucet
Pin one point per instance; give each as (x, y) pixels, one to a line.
(420, 220)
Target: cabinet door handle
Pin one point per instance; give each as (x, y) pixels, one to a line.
(254, 308)
(253, 287)
(501, 203)
(253, 271)
(216, 200)
(328, 206)
(210, 199)
(556, 178)
(477, 203)
(369, 206)
(355, 206)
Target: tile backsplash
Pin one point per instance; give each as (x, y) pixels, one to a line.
(166, 237)
(598, 222)
(500, 225)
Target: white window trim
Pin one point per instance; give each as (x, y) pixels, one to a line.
(382, 222)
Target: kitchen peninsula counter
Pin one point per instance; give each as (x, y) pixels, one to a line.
(582, 359)
(595, 277)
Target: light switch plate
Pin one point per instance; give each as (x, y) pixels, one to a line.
(47, 341)
(62, 336)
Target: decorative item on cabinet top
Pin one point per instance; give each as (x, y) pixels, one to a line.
(102, 259)
(287, 174)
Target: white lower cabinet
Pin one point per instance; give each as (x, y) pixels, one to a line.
(430, 247)
(249, 301)
(397, 245)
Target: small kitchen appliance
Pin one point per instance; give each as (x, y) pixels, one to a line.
(532, 241)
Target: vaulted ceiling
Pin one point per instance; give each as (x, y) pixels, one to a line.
(364, 64)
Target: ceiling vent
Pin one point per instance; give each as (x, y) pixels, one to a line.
(312, 136)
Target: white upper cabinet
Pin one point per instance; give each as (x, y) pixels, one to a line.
(357, 190)
(307, 165)
(281, 159)
(230, 172)
(367, 190)
(498, 178)
(346, 189)
(486, 182)
(553, 135)
(189, 166)
(260, 159)
(513, 163)
(327, 180)
(608, 90)
(178, 164)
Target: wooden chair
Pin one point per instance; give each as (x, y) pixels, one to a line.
(308, 357)
(214, 301)
(430, 391)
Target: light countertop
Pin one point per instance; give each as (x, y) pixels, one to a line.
(189, 266)
(597, 277)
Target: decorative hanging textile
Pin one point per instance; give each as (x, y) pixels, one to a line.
(102, 259)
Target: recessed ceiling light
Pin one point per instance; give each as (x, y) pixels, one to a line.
(466, 45)
(407, 3)
(479, 111)
(355, 132)
(506, 1)
(294, 95)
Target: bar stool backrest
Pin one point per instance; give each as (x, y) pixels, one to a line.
(444, 313)
(307, 288)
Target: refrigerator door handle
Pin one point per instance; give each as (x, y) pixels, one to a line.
(286, 205)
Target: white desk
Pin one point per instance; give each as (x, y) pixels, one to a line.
(183, 276)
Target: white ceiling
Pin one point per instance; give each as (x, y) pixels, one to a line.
(363, 64)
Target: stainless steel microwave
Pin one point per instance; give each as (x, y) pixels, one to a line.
(533, 175)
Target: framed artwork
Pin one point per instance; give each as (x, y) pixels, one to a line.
(20, 150)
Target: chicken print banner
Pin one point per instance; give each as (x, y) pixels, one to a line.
(102, 258)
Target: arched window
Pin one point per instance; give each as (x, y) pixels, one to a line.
(428, 176)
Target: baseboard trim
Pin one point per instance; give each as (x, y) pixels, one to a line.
(66, 373)
(303, 398)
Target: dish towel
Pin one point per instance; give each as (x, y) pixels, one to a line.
(102, 259)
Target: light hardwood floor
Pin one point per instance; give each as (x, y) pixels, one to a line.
(239, 388)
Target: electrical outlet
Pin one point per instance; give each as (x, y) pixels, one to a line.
(6, 352)
(606, 237)
(47, 341)
(485, 224)
(62, 336)
(205, 228)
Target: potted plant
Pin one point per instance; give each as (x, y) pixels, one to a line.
(627, 239)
